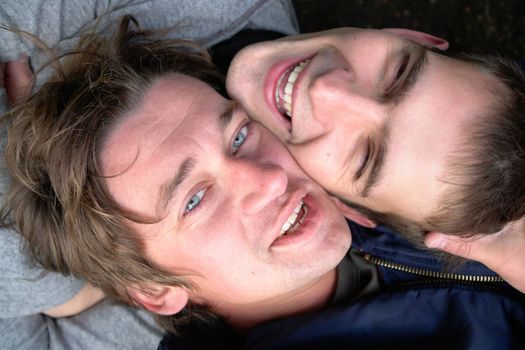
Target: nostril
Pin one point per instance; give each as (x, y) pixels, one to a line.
(332, 88)
(333, 80)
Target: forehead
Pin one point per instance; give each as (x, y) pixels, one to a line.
(430, 128)
(144, 147)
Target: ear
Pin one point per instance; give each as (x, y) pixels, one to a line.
(353, 215)
(166, 300)
(420, 38)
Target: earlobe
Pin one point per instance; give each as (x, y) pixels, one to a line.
(166, 300)
(353, 215)
(420, 38)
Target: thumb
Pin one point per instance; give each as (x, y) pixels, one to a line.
(466, 247)
(18, 79)
(2, 74)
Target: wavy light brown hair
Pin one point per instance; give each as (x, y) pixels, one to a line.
(58, 199)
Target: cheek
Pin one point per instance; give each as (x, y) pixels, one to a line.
(204, 250)
(222, 243)
(211, 260)
(323, 160)
(227, 270)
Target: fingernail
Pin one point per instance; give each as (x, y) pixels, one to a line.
(23, 58)
(435, 40)
(435, 242)
(440, 43)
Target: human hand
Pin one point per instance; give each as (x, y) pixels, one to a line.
(84, 299)
(2, 74)
(503, 252)
(17, 78)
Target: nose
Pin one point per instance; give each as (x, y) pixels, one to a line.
(339, 97)
(258, 184)
(246, 70)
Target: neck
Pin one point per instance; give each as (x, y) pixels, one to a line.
(312, 297)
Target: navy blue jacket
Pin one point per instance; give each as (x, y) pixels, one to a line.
(415, 308)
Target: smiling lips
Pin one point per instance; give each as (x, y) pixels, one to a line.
(284, 88)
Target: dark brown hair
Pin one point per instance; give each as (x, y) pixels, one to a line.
(486, 175)
(58, 199)
(486, 187)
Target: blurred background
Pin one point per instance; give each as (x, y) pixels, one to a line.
(474, 26)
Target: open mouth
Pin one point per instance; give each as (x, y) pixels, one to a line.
(284, 88)
(294, 220)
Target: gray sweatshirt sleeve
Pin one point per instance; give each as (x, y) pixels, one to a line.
(59, 23)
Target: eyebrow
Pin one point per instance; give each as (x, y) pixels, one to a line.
(401, 93)
(399, 96)
(169, 189)
(226, 116)
(377, 165)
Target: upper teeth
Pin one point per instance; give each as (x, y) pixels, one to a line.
(291, 220)
(286, 104)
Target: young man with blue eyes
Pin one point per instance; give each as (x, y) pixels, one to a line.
(174, 200)
(34, 302)
(410, 138)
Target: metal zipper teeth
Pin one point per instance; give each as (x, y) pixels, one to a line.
(433, 274)
(436, 281)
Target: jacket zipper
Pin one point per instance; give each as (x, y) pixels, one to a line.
(433, 274)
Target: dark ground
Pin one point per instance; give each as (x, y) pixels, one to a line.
(472, 26)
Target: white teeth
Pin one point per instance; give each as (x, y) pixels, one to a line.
(291, 220)
(288, 88)
(293, 76)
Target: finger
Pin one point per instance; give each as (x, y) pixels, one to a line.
(2, 74)
(466, 247)
(18, 79)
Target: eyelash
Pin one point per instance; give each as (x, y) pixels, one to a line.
(406, 75)
(191, 207)
(247, 128)
(402, 67)
(366, 160)
(200, 194)
(399, 73)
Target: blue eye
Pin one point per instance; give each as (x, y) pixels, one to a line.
(239, 139)
(194, 201)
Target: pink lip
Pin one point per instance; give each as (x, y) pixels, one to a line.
(308, 228)
(270, 85)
